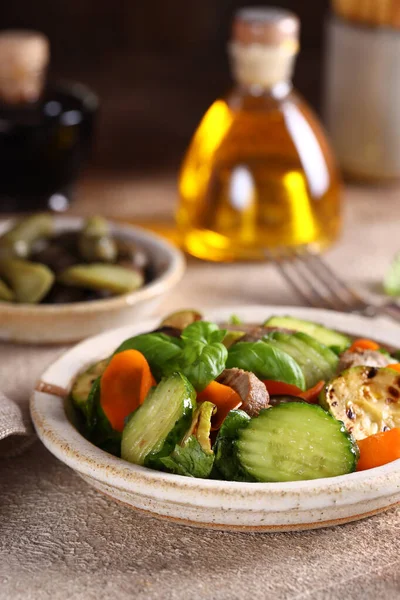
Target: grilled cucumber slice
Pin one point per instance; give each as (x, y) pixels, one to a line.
(315, 360)
(80, 392)
(295, 441)
(160, 422)
(366, 399)
(326, 336)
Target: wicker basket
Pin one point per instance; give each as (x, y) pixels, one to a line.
(371, 12)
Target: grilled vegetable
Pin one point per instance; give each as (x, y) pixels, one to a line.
(181, 319)
(160, 423)
(80, 393)
(95, 242)
(315, 360)
(99, 276)
(18, 241)
(30, 282)
(295, 441)
(6, 293)
(366, 399)
(231, 337)
(266, 361)
(326, 336)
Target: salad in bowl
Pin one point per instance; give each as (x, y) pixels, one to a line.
(279, 401)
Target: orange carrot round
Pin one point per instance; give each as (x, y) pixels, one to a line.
(224, 398)
(379, 449)
(124, 385)
(363, 344)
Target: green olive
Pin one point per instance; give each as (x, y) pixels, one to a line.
(29, 281)
(99, 276)
(6, 294)
(18, 240)
(96, 243)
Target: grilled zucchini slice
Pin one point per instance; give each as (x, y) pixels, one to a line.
(366, 399)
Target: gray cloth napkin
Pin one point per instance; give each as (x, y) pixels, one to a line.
(16, 431)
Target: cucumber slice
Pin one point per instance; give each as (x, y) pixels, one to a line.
(226, 462)
(319, 332)
(366, 399)
(315, 360)
(296, 441)
(80, 392)
(160, 422)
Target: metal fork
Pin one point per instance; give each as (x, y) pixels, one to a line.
(319, 286)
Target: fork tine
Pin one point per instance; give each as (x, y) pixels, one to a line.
(315, 283)
(302, 285)
(334, 282)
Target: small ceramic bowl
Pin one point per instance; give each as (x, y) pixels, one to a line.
(202, 502)
(65, 323)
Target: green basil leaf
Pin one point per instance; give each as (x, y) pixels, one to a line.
(202, 363)
(160, 351)
(189, 460)
(265, 361)
(203, 331)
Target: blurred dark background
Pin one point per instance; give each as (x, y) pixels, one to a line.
(156, 65)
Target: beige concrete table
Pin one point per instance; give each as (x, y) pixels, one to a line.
(61, 540)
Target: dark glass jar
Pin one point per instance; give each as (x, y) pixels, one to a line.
(45, 129)
(43, 146)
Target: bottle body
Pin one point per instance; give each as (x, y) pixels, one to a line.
(258, 174)
(42, 147)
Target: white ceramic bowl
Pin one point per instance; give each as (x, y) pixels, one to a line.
(65, 323)
(208, 503)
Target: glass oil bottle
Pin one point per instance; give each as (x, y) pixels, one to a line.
(259, 172)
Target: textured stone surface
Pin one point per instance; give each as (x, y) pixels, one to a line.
(60, 540)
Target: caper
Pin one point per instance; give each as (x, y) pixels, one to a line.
(96, 243)
(99, 276)
(18, 240)
(29, 281)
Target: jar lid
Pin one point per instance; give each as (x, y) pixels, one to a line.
(24, 56)
(266, 26)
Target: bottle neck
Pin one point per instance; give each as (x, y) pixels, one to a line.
(261, 68)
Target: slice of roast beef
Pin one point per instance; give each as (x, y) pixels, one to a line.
(251, 390)
(358, 358)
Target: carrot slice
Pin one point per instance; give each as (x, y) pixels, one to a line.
(124, 385)
(379, 449)
(312, 394)
(224, 398)
(280, 388)
(363, 344)
(394, 366)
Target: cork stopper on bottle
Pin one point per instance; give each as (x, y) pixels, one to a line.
(24, 56)
(264, 44)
